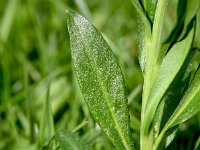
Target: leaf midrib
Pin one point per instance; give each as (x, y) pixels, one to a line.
(103, 88)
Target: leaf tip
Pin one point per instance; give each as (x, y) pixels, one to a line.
(69, 13)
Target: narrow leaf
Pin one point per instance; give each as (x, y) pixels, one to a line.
(46, 123)
(139, 9)
(175, 33)
(153, 49)
(197, 37)
(178, 88)
(170, 67)
(191, 11)
(144, 30)
(189, 105)
(157, 28)
(7, 19)
(100, 79)
(181, 9)
(68, 140)
(151, 8)
(157, 119)
(81, 4)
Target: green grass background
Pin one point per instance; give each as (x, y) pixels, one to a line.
(38, 90)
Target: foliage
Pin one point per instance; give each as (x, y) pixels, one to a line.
(41, 105)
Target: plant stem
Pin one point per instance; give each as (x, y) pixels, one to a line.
(153, 48)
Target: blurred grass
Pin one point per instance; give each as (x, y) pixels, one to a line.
(37, 85)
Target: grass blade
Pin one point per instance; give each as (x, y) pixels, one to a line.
(7, 20)
(68, 140)
(100, 80)
(47, 122)
(81, 4)
(144, 30)
(29, 104)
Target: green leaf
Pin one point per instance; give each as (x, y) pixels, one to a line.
(178, 87)
(169, 69)
(141, 44)
(181, 9)
(153, 49)
(197, 37)
(157, 28)
(68, 140)
(186, 12)
(197, 145)
(172, 98)
(151, 8)
(144, 29)
(140, 11)
(7, 19)
(46, 129)
(81, 4)
(191, 11)
(158, 117)
(175, 33)
(100, 79)
(189, 105)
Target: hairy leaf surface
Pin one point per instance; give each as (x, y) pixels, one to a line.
(144, 31)
(100, 79)
(68, 140)
(170, 67)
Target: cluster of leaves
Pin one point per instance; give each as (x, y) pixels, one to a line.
(39, 93)
(171, 86)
